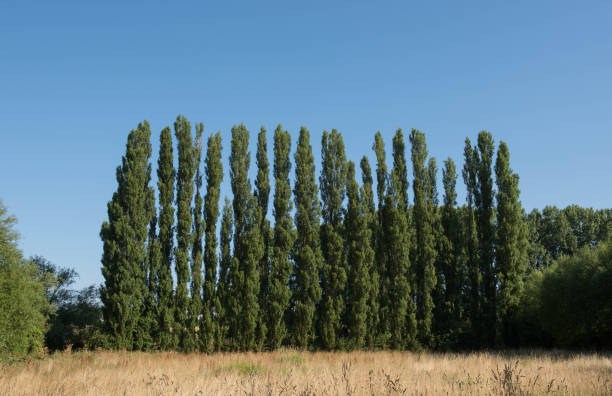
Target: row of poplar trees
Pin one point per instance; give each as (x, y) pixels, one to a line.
(343, 265)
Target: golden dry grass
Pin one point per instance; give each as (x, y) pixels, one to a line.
(302, 373)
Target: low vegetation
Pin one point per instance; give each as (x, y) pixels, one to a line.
(310, 373)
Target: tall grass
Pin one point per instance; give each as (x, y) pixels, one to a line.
(303, 373)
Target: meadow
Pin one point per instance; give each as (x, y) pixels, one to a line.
(290, 372)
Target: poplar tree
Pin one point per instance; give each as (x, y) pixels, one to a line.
(471, 241)
(212, 300)
(248, 246)
(400, 169)
(486, 235)
(148, 321)
(262, 192)
(367, 197)
(450, 255)
(380, 256)
(511, 245)
(307, 257)
(280, 270)
(399, 201)
(224, 284)
(124, 238)
(333, 189)
(425, 242)
(195, 324)
(360, 258)
(184, 195)
(165, 184)
(399, 316)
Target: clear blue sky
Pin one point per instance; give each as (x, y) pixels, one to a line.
(76, 77)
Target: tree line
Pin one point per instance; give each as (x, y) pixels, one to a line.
(377, 261)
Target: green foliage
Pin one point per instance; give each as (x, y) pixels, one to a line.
(380, 258)
(450, 262)
(424, 220)
(248, 247)
(224, 286)
(23, 306)
(485, 227)
(124, 238)
(184, 237)
(511, 245)
(369, 213)
(307, 251)
(399, 316)
(571, 301)
(195, 327)
(471, 242)
(262, 193)
(360, 257)
(280, 270)
(333, 190)
(164, 289)
(212, 300)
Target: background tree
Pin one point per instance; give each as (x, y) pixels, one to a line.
(333, 189)
(23, 306)
(280, 270)
(184, 239)
(511, 245)
(307, 252)
(165, 184)
(124, 238)
(212, 301)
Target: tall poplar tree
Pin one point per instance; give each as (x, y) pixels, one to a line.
(486, 235)
(165, 184)
(184, 195)
(124, 236)
(399, 176)
(380, 254)
(333, 189)
(224, 288)
(194, 340)
(471, 241)
(360, 257)
(148, 323)
(307, 249)
(262, 192)
(212, 300)
(280, 270)
(400, 321)
(511, 245)
(450, 257)
(367, 197)
(425, 242)
(248, 246)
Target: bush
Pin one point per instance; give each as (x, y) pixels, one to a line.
(570, 303)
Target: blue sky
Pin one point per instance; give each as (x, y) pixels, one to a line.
(76, 77)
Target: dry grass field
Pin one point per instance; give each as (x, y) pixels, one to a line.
(302, 373)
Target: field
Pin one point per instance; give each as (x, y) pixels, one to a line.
(303, 373)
